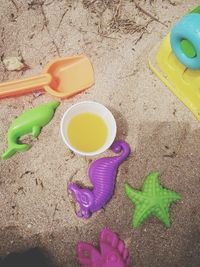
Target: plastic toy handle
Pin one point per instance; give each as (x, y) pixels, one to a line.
(24, 86)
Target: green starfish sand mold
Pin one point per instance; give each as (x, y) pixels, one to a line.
(153, 200)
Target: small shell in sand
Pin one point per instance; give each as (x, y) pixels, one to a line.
(13, 63)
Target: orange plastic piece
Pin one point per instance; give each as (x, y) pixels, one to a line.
(61, 78)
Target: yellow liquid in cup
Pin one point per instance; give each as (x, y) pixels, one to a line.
(87, 132)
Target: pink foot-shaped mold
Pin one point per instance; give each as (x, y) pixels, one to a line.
(88, 255)
(113, 252)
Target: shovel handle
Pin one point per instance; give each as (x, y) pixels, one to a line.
(24, 86)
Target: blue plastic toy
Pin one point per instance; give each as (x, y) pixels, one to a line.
(185, 40)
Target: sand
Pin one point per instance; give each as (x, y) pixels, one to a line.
(35, 208)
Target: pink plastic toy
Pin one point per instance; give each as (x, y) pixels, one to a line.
(102, 173)
(113, 252)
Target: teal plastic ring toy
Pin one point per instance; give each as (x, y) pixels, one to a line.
(188, 28)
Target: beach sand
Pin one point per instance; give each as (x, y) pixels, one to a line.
(35, 207)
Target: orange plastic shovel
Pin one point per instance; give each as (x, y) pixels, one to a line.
(62, 78)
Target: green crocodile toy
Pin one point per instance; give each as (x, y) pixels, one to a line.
(30, 121)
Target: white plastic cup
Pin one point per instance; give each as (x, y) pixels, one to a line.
(95, 108)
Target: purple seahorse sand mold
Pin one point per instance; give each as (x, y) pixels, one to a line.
(113, 252)
(102, 173)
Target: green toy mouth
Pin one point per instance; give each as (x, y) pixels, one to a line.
(188, 48)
